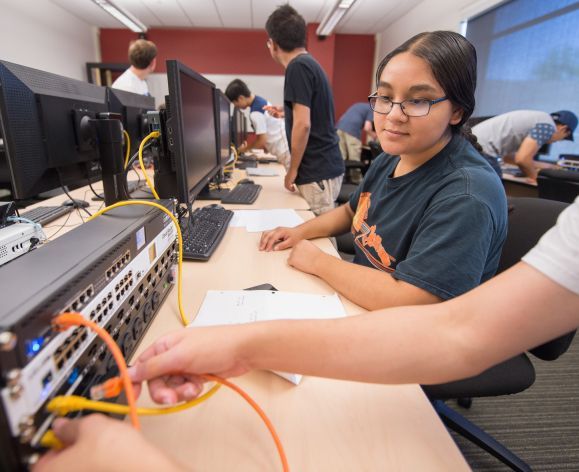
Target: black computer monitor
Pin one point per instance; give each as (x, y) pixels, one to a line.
(238, 128)
(133, 109)
(224, 113)
(45, 124)
(191, 135)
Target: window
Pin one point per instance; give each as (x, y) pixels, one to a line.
(528, 58)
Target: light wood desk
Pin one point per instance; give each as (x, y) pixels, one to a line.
(323, 424)
(272, 195)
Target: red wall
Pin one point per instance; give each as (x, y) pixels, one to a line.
(353, 70)
(206, 51)
(348, 59)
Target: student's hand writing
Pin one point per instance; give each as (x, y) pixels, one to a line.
(289, 180)
(173, 364)
(276, 111)
(305, 256)
(279, 239)
(97, 443)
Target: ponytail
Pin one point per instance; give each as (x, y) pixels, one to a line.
(466, 132)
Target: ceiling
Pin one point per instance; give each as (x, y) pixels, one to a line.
(365, 16)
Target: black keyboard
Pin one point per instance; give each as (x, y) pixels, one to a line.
(45, 214)
(202, 236)
(246, 164)
(245, 194)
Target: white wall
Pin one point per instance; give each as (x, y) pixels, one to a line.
(40, 34)
(430, 15)
(269, 87)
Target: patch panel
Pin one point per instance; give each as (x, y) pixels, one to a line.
(37, 362)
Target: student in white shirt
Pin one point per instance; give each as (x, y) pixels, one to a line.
(143, 59)
(269, 131)
(537, 299)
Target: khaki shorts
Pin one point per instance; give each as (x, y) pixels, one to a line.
(321, 195)
(350, 146)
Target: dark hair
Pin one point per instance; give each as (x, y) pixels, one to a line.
(142, 53)
(287, 28)
(452, 59)
(236, 89)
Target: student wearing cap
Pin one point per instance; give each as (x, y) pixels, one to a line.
(518, 135)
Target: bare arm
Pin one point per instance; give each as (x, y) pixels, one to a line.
(370, 288)
(524, 157)
(337, 221)
(299, 139)
(511, 313)
(259, 142)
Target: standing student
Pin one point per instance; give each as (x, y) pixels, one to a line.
(531, 303)
(143, 60)
(316, 165)
(518, 135)
(350, 125)
(269, 130)
(430, 218)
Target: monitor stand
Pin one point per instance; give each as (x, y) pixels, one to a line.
(207, 194)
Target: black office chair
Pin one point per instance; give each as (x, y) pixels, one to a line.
(560, 185)
(529, 219)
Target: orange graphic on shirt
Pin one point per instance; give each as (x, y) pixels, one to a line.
(365, 236)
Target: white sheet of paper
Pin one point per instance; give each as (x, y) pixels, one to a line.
(261, 172)
(247, 306)
(264, 220)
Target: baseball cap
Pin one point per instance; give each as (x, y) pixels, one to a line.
(568, 118)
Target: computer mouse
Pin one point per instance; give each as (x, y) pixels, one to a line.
(245, 181)
(214, 205)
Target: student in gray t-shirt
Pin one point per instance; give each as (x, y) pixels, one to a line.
(518, 135)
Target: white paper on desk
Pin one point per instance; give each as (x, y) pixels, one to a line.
(261, 172)
(247, 306)
(263, 220)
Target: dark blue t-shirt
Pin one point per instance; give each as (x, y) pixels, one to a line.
(354, 119)
(258, 104)
(307, 84)
(440, 227)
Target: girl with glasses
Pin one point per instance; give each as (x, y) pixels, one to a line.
(429, 219)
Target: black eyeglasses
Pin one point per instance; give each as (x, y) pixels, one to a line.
(410, 107)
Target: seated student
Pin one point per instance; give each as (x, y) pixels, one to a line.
(349, 128)
(533, 302)
(143, 59)
(518, 135)
(270, 131)
(430, 218)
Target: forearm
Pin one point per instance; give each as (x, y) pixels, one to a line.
(378, 347)
(525, 163)
(335, 222)
(259, 143)
(422, 344)
(370, 288)
(299, 140)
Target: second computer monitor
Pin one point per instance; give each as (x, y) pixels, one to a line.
(45, 126)
(191, 130)
(133, 109)
(224, 110)
(239, 132)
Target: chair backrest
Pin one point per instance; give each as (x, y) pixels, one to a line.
(529, 219)
(560, 185)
